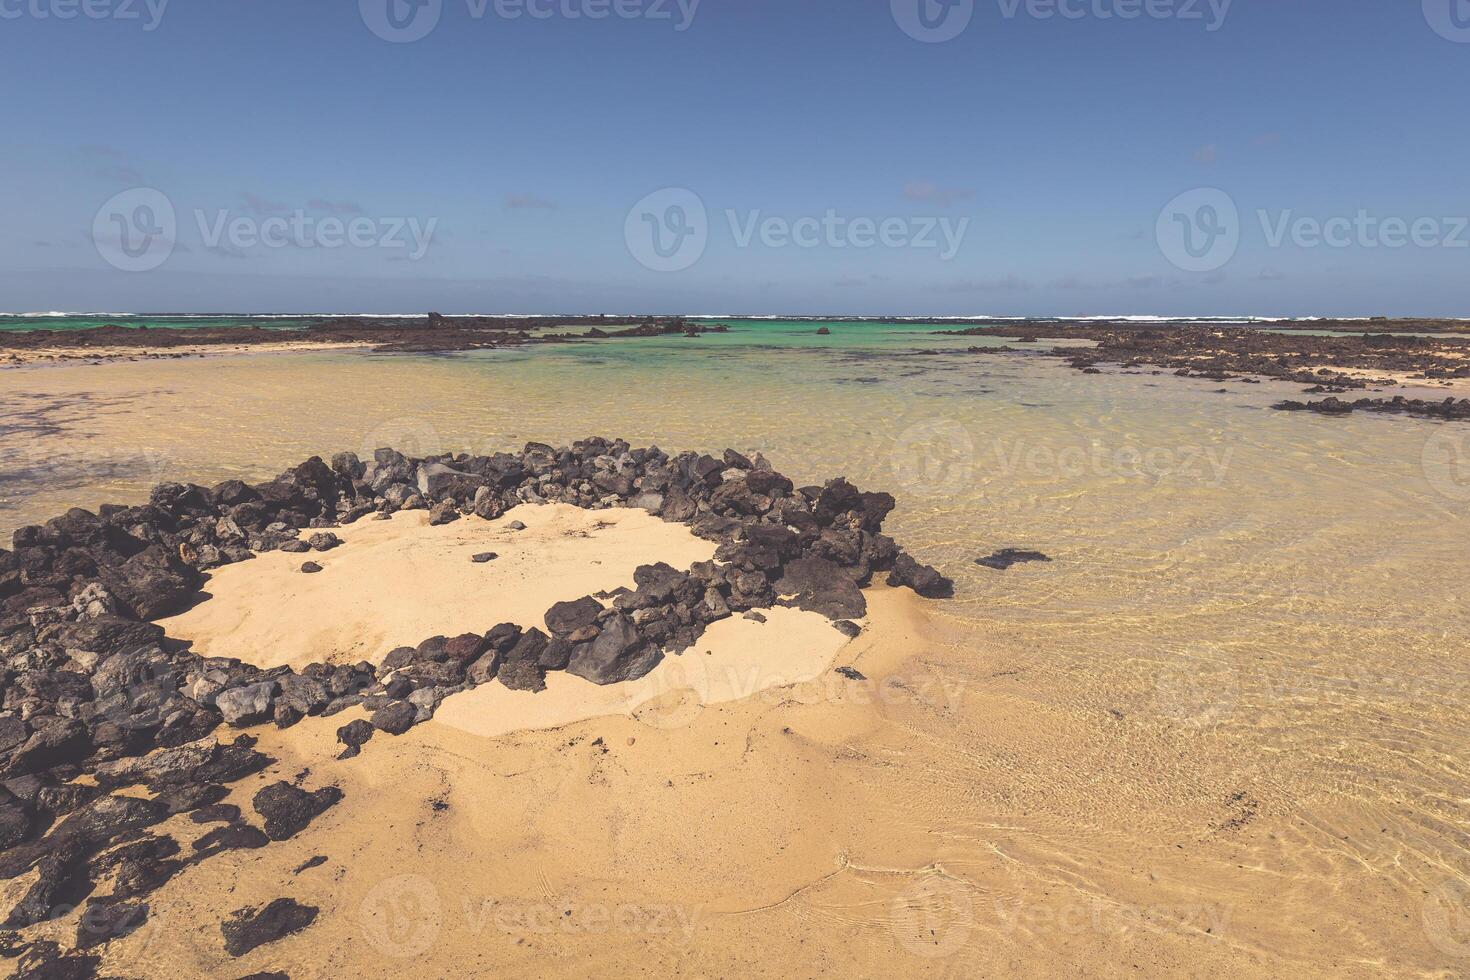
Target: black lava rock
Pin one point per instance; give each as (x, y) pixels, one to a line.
(1007, 557)
(249, 928)
(288, 809)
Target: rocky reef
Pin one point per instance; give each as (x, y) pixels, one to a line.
(436, 334)
(93, 688)
(1336, 362)
(1450, 408)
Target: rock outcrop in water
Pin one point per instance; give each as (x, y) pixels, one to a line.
(92, 688)
(1450, 408)
(385, 335)
(1336, 362)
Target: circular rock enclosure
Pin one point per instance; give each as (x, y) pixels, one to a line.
(94, 689)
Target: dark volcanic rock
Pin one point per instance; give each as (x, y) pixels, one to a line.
(216, 813)
(566, 618)
(619, 653)
(251, 927)
(288, 809)
(310, 567)
(323, 541)
(104, 920)
(395, 718)
(818, 585)
(193, 796)
(443, 513)
(249, 705)
(152, 583)
(1007, 557)
(16, 820)
(523, 675)
(61, 742)
(1450, 408)
(234, 836)
(355, 733)
(109, 634)
(923, 579)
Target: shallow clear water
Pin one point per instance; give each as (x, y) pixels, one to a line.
(1245, 670)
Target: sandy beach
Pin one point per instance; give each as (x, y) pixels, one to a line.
(1154, 753)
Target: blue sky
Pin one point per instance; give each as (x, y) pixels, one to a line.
(1047, 146)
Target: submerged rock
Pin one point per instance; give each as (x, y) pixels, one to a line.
(1007, 557)
(249, 928)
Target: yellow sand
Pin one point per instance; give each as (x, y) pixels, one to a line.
(398, 582)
